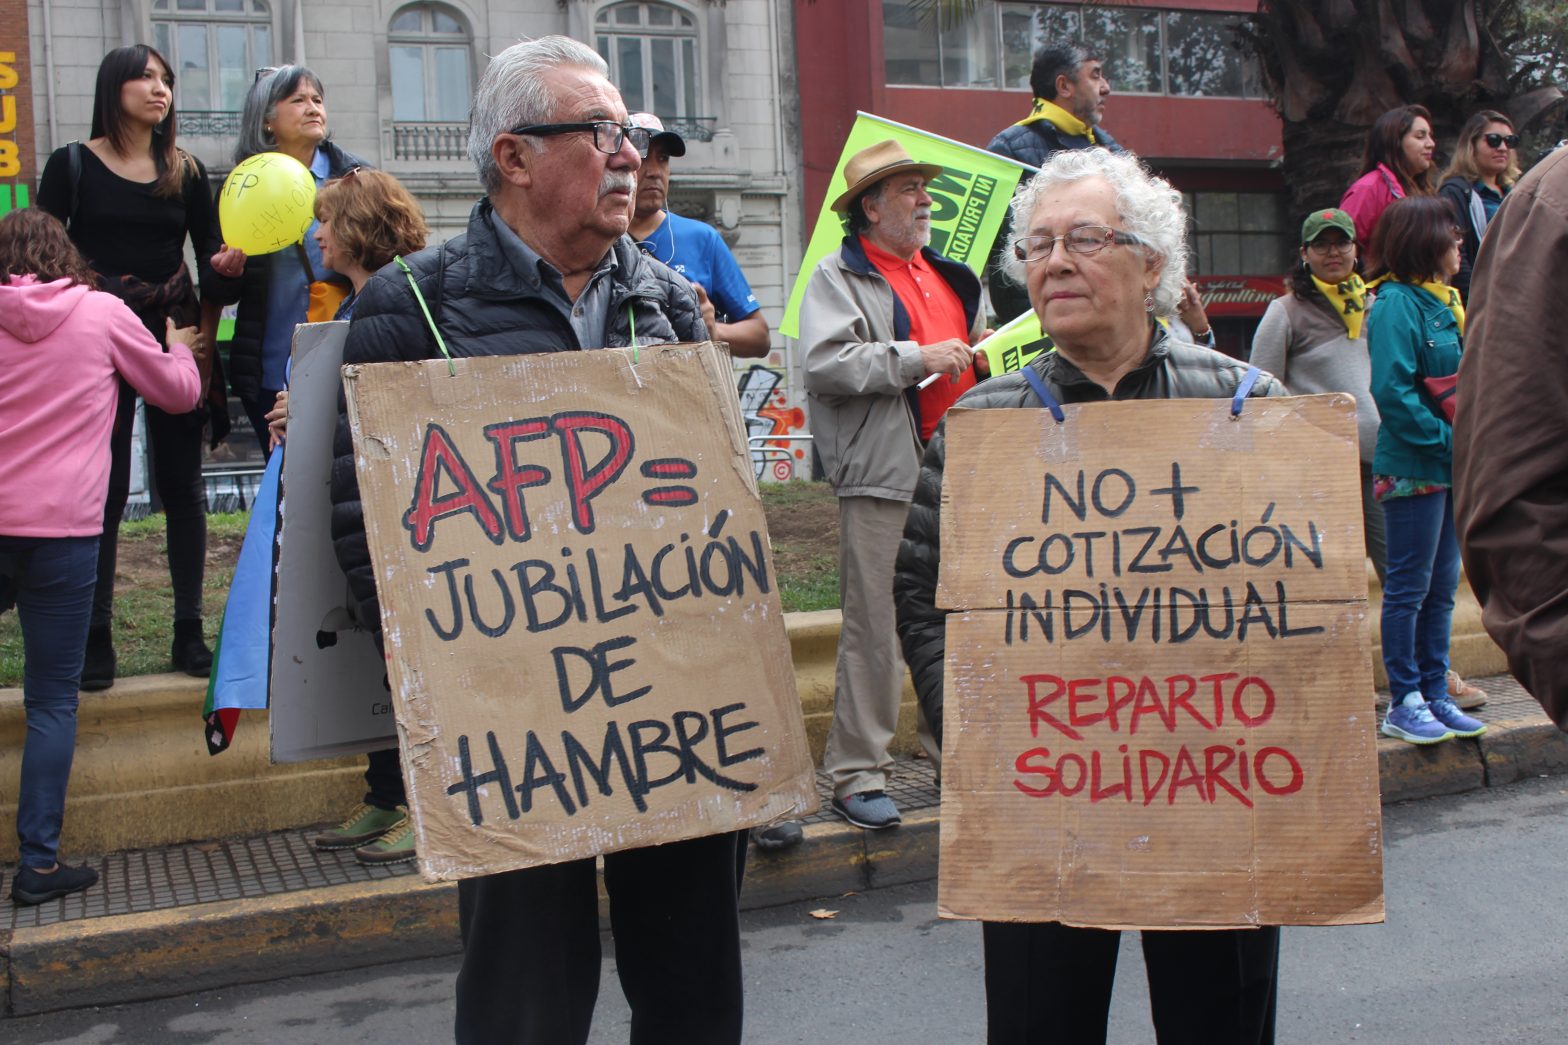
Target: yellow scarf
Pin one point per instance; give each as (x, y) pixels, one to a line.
(1451, 297)
(1349, 300)
(1059, 118)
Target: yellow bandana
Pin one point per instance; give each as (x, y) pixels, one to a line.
(1449, 296)
(1059, 118)
(1349, 300)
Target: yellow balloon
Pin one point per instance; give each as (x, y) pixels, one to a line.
(267, 203)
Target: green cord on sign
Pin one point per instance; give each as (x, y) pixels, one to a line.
(451, 367)
(631, 317)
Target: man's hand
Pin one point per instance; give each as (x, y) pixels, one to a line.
(947, 357)
(230, 262)
(1189, 309)
(983, 361)
(709, 313)
(278, 420)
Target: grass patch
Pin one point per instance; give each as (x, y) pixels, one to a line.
(802, 521)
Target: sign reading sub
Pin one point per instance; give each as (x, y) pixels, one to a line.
(1158, 685)
(585, 641)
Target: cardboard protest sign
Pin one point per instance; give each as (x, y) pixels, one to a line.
(1158, 689)
(329, 694)
(969, 200)
(584, 634)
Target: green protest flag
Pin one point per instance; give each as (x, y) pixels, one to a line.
(1015, 343)
(969, 200)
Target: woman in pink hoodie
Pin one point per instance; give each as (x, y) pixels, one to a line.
(1397, 163)
(63, 348)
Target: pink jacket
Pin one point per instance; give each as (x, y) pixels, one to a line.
(62, 346)
(1366, 200)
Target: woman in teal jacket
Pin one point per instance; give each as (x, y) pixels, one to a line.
(1415, 331)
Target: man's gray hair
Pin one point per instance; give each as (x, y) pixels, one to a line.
(1146, 205)
(512, 92)
(261, 107)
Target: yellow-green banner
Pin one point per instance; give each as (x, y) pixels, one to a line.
(969, 200)
(1015, 343)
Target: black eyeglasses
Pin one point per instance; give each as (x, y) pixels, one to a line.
(608, 136)
(1086, 239)
(1494, 140)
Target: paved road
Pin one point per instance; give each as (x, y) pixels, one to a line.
(1474, 951)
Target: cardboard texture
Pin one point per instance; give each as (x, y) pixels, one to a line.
(329, 694)
(1158, 686)
(585, 639)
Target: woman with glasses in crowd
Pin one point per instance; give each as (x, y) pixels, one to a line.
(1311, 339)
(1484, 167)
(1414, 333)
(285, 112)
(1100, 244)
(131, 198)
(1396, 163)
(66, 352)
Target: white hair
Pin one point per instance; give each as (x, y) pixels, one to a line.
(512, 93)
(1147, 206)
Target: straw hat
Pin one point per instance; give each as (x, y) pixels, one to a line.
(875, 162)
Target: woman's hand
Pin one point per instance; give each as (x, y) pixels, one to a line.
(230, 262)
(187, 336)
(1190, 311)
(278, 420)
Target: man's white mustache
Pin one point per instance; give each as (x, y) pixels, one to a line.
(617, 181)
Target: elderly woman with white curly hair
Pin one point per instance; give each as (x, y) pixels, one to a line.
(1099, 243)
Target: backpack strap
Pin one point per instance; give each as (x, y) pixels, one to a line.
(73, 156)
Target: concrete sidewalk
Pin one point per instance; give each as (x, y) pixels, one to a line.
(190, 917)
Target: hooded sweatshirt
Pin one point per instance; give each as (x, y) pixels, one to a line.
(62, 348)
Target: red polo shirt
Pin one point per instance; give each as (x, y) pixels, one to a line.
(935, 314)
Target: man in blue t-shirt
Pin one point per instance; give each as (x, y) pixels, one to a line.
(694, 248)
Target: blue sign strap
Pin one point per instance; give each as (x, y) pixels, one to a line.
(1046, 399)
(1243, 390)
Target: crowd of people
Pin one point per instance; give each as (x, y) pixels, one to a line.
(574, 245)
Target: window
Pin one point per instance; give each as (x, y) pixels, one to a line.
(429, 54)
(1146, 50)
(651, 49)
(215, 46)
(1238, 233)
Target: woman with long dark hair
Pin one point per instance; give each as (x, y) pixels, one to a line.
(66, 350)
(1484, 167)
(286, 111)
(1396, 163)
(130, 198)
(1414, 333)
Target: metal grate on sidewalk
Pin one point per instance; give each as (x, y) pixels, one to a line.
(284, 862)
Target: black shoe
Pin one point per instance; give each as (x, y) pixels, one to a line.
(33, 887)
(189, 653)
(775, 837)
(98, 664)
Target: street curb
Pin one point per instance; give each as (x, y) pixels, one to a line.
(135, 957)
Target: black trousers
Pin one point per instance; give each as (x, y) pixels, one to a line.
(1052, 983)
(384, 779)
(176, 475)
(531, 957)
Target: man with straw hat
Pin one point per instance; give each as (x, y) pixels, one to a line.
(878, 318)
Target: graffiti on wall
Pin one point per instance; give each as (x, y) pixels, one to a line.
(768, 413)
(12, 196)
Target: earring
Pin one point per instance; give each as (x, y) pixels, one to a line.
(1148, 302)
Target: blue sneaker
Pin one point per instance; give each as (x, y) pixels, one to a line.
(1446, 711)
(1411, 720)
(872, 810)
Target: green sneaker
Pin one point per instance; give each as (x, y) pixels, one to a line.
(394, 847)
(365, 824)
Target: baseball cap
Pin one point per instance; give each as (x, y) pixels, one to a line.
(674, 144)
(1332, 218)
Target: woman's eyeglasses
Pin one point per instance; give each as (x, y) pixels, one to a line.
(1324, 246)
(1086, 239)
(1499, 140)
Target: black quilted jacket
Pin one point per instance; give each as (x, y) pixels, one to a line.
(1173, 370)
(484, 307)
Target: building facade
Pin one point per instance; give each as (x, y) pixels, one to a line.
(399, 77)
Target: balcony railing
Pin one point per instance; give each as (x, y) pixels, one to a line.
(211, 123)
(696, 128)
(429, 141)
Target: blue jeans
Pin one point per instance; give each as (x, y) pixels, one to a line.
(1418, 593)
(53, 578)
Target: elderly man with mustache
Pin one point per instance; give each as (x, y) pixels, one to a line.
(546, 266)
(878, 318)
